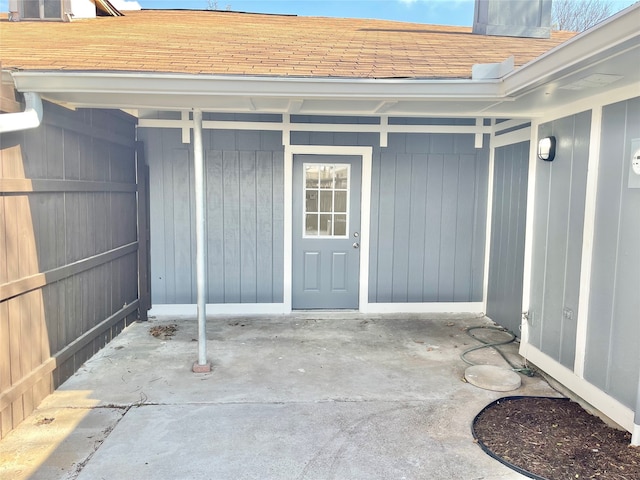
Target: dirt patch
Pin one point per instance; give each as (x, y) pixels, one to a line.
(44, 421)
(164, 332)
(556, 439)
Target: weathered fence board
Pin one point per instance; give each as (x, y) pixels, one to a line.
(68, 249)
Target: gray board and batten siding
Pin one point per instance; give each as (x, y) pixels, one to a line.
(612, 360)
(68, 249)
(508, 219)
(560, 195)
(244, 214)
(428, 219)
(428, 213)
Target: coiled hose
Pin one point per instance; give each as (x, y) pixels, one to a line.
(516, 368)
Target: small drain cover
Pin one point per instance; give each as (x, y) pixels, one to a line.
(491, 377)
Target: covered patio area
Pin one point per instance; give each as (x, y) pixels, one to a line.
(313, 395)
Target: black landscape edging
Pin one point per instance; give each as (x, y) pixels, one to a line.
(489, 452)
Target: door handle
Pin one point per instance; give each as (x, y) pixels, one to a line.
(356, 245)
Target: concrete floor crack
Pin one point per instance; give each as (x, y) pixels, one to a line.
(98, 443)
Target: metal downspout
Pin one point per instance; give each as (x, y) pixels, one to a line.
(201, 366)
(30, 118)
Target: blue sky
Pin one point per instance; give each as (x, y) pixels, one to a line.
(441, 12)
(444, 12)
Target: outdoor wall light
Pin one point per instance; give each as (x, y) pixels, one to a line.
(547, 148)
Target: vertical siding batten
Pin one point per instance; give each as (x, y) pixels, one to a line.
(215, 218)
(433, 222)
(416, 237)
(264, 227)
(401, 229)
(248, 227)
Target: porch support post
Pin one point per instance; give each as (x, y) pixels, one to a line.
(202, 365)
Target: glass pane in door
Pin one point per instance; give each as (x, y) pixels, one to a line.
(326, 193)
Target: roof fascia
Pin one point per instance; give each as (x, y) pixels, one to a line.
(613, 36)
(310, 88)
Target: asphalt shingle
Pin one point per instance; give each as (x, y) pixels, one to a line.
(230, 43)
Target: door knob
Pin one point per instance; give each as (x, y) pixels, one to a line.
(356, 245)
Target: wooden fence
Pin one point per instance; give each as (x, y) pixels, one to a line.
(68, 249)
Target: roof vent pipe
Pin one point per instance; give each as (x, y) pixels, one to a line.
(30, 118)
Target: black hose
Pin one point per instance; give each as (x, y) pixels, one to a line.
(524, 370)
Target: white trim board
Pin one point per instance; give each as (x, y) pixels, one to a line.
(383, 129)
(478, 129)
(616, 411)
(511, 138)
(588, 235)
(213, 309)
(489, 223)
(190, 310)
(475, 308)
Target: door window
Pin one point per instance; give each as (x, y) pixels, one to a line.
(326, 198)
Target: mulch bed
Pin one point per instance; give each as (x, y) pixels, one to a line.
(555, 439)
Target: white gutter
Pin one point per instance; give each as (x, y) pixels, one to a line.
(30, 118)
(146, 83)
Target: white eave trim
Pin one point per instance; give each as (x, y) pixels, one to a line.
(614, 35)
(236, 85)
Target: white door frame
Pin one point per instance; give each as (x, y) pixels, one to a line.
(366, 154)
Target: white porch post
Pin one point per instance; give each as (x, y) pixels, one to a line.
(635, 435)
(202, 365)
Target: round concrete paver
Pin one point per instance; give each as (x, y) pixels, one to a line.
(491, 377)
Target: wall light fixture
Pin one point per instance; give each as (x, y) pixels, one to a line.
(547, 148)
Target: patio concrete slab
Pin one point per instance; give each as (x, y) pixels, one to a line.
(308, 396)
(492, 377)
(329, 440)
(53, 442)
